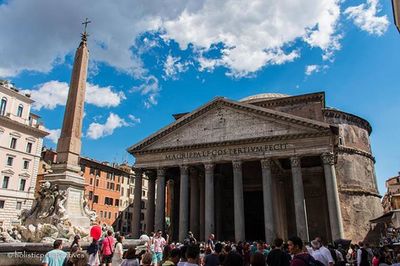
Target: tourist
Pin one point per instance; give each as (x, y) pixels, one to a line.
(325, 252)
(261, 248)
(130, 258)
(76, 242)
(118, 251)
(192, 255)
(315, 252)
(173, 258)
(246, 254)
(159, 243)
(375, 259)
(107, 249)
(362, 255)
(146, 259)
(190, 240)
(300, 258)
(93, 252)
(233, 259)
(183, 259)
(68, 259)
(166, 252)
(277, 257)
(55, 257)
(79, 258)
(210, 242)
(213, 258)
(257, 259)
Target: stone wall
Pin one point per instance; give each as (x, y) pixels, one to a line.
(356, 179)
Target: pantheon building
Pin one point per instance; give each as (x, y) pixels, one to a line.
(265, 166)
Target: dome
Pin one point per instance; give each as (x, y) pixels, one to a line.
(263, 96)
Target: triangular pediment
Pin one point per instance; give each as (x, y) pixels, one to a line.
(7, 172)
(223, 120)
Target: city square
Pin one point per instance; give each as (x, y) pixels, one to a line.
(175, 139)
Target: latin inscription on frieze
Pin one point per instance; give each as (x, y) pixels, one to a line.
(247, 150)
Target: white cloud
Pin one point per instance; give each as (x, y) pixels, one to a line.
(310, 69)
(251, 34)
(151, 89)
(54, 134)
(256, 33)
(52, 93)
(173, 66)
(97, 130)
(134, 119)
(365, 17)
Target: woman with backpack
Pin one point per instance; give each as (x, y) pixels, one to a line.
(118, 252)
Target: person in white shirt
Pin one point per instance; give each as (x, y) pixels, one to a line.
(328, 260)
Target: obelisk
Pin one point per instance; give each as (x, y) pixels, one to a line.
(66, 171)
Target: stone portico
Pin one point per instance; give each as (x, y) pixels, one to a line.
(245, 172)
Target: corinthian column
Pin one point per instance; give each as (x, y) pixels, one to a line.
(160, 206)
(335, 216)
(209, 225)
(267, 196)
(137, 203)
(298, 196)
(184, 203)
(238, 201)
(194, 202)
(151, 202)
(202, 207)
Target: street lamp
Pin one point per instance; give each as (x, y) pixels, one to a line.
(396, 13)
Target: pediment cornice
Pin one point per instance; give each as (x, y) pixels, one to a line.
(221, 102)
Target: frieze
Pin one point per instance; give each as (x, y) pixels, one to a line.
(349, 118)
(227, 151)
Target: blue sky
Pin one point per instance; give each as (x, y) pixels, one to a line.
(151, 60)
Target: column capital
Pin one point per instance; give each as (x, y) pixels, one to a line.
(209, 167)
(138, 171)
(328, 158)
(160, 171)
(151, 174)
(295, 161)
(266, 163)
(237, 165)
(184, 169)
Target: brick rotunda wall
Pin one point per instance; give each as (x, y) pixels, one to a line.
(358, 192)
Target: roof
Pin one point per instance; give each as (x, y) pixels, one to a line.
(234, 104)
(263, 96)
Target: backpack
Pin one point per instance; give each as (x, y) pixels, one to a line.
(311, 261)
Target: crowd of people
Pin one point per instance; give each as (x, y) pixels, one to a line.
(159, 251)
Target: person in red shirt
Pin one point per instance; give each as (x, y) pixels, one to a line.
(300, 258)
(107, 248)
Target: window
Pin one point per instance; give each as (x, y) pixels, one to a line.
(83, 167)
(91, 181)
(13, 143)
(108, 185)
(112, 186)
(92, 170)
(101, 214)
(95, 199)
(26, 164)
(109, 215)
(3, 106)
(108, 175)
(141, 216)
(6, 179)
(90, 195)
(20, 109)
(116, 202)
(118, 187)
(142, 204)
(29, 147)
(144, 193)
(2, 204)
(10, 160)
(19, 205)
(108, 201)
(22, 185)
(122, 191)
(97, 182)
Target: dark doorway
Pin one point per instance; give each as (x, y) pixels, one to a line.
(254, 215)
